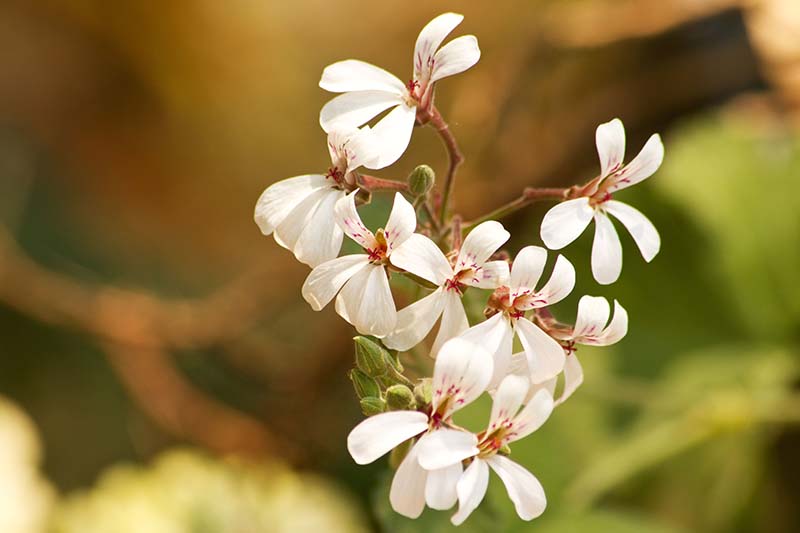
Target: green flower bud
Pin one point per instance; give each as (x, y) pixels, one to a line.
(421, 180)
(399, 398)
(371, 357)
(423, 392)
(372, 405)
(363, 384)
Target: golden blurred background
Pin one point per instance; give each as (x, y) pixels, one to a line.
(172, 376)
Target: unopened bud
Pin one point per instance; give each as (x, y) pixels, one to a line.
(371, 357)
(421, 180)
(399, 398)
(372, 405)
(423, 392)
(363, 384)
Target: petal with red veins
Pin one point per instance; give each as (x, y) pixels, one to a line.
(428, 41)
(461, 373)
(610, 141)
(401, 224)
(349, 220)
(642, 167)
(479, 245)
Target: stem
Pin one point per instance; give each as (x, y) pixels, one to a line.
(435, 119)
(529, 196)
(426, 207)
(374, 183)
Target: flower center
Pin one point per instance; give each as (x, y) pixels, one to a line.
(378, 254)
(335, 174)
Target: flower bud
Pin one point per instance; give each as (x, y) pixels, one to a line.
(363, 384)
(371, 357)
(372, 405)
(399, 398)
(421, 180)
(423, 392)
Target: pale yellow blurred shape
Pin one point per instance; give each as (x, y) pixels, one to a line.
(25, 496)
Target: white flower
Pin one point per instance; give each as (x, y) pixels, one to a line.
(545, 356)
(369, 90)
(430, 470)
(566, 221)
(420, 256)
(508, 423)
(592, 328)
(299, 211)
(361, 281)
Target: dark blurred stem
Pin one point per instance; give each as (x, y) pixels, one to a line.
(529, 196)
(435, 119)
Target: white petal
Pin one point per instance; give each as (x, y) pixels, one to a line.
(527, 268)
(606, 251)
(455, 57)
(471, 489)
(558, 287)
(325, 280)
(379, 434)
(407, 494)
(289, 230)
(429, 39)
(356, 108)
(350, 147)
(641, 229)
(642, 167)
(573, 377)
(483, 241)
(565, 222)
(280, 198)
(523, 488)
(440, 488)
(491, 275)
(617, 328)
(366, 302)
(610, 140)
(401, 224)
(420, 256)
(507, 400)
(354, 75)
(533, 415)
(545, 355)
(519, 367)
(394, 133)
(454, 321)
(416, 321)
(445, 447)
(462, 372)
(321, 239)
(349, 220)
(593, 313)
(496, 336)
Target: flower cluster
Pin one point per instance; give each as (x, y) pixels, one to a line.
(439, 463)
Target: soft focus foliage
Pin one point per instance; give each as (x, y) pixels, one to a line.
(189, 492)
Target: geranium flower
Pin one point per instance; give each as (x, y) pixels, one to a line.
(566, 221)
(369, 90)
(508, 423)
(545, 356)
(430, 470)
(361, 281)
(472, 268)
(299, 211)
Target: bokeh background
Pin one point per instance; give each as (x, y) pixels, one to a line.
(160, 372)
